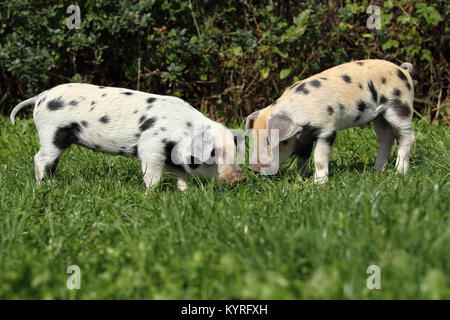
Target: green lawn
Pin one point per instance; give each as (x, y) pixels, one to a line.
(277, 237)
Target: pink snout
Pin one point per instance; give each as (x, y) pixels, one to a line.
(231, 174)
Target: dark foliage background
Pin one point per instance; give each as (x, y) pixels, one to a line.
(227, 58)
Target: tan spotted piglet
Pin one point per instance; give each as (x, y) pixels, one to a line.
(315, 109)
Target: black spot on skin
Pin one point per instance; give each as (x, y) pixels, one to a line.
(373, 91)
(42, 101)
(401, 75)
(360, 85)
(330, 139)
(66, 136)
(137, 135)
(135, 111)
(163, 129)
(304, 150)
(360, 63)
(383, 80)
(51, 167)
(101, 87)
(142, 119)
(149, 107)
(235, 140)
(92, 108)
(301, 89)
(135, 151)
(309, 133)
(341, 106)
(84, 124)
(330, 110)
(383, 99)
(147, 124)
(151, 100)
(194, 163)
(324, 78)
(401, 108)
(92, 103)
(127, 93)
(397, 93)
(55, 104)
(357, 118)
(104, 95)
(189, 124)
(346, 78)
(97, 147)
(104, 119)
(315, 83)
(73, 103)
(163, 140)
(168, 147)
(305, 140)
(361, 106)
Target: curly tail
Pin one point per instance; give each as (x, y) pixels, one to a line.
(20, 106)
(408, 66)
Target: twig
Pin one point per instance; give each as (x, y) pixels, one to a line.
(139, 73)
(195, 20)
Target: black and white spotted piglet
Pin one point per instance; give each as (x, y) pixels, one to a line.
(348, 95)
(163, 131)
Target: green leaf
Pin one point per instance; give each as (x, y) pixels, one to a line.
(390, 43)
(264, 73)
(302, 18)
(280, 53)
(285, 72)
(426, 55)
(403, 19)
(237, 51)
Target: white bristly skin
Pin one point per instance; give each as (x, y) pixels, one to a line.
(348, 95)
(163, 131)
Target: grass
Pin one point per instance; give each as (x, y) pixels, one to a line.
(277, 237)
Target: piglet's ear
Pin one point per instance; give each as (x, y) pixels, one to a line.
(201, 145)
(250, 120)
(285, 126)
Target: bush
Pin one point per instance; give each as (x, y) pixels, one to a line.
(226, 58)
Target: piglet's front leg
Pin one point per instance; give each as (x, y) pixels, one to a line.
(322, 157)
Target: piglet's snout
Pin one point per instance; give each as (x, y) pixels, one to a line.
(231, 174)
(254, 167)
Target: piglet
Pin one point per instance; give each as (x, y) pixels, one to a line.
(315, 109)
(162, 131)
